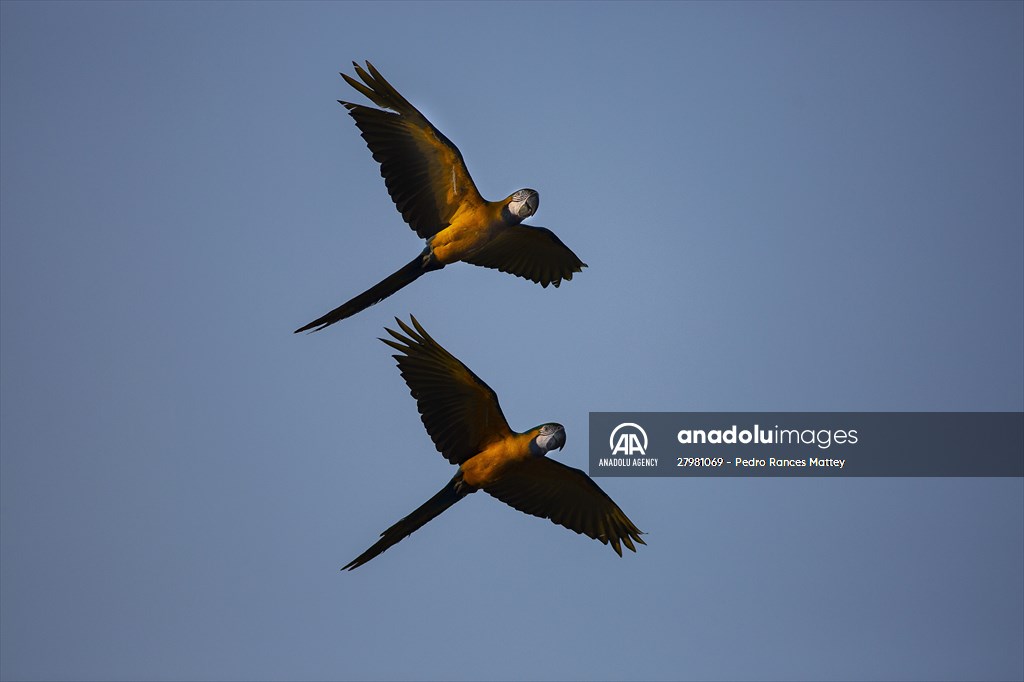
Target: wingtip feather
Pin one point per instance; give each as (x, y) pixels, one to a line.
(403, 340)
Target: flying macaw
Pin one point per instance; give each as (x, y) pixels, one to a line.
(431, 187)
(462, 416)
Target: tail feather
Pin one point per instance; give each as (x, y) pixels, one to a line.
(408, 274)
(429, 510)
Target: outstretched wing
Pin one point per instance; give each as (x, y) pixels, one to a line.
(460, 412)
(424, 172)
(534, 253)
(551, 490)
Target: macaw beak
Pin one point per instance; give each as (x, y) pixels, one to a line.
(533, 203)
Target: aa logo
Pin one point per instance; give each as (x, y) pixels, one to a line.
(628, 439)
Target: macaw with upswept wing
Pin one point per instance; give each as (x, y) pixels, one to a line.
(462, 416)
(431, 187)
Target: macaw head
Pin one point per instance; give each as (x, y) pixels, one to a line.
(523, 204)
(548, 438)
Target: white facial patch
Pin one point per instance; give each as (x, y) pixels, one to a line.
(547, 441)
(524, 203)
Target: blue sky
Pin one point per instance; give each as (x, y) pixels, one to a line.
(784, 207)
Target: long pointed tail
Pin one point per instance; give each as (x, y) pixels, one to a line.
(431, 509)
(418, 266)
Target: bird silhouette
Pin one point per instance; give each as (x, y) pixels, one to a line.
(427, 179)
(463, 418)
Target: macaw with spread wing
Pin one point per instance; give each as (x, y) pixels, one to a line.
(462, 416)
(431, 187)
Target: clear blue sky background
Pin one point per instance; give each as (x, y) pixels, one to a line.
(784, 207)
